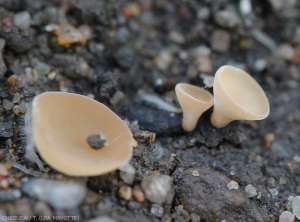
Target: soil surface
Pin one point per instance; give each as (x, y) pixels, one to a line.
(129, 55)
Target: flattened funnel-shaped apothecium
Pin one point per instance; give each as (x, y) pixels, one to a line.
(237, 96)
(194, 101)
(61, 124)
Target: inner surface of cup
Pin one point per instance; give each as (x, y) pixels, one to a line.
(196, 92)
(244, 90)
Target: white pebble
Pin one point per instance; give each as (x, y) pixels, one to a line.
(232, 185)
(260, 64)
(195, 173)
(273, 191)
(286, 216)
(250, 190)
(285, 51)
(127, 173)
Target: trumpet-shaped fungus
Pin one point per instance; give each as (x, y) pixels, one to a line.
(194, 101)
(237, 96)
(61, 124)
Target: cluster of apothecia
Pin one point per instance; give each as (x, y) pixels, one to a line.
(237, 96)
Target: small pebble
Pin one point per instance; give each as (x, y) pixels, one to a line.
(19, 110)
(245, 7)
(285, 51)
(227, 18)
(158, 189)
(59, 194)
(51, 75)
(97, 141)
(220, 40)
(177, 37)
(138, 195)
(195, 173)
(195, 217)
(68, 34)
(15, 39)
(10, 195)
(16, 98)
(203, 13)
(163, 59)
(122, 35)
(125, 57)
(250, 191)
(7, 104)
(282, 180)
(22, 20)
(286, 216)
(232, 185)
(41, 67)
(296, 158)
(271, 182)
(3, 170)
(258, 195)
(87, 31)
(273, 191)
(279, 5)
(4, 184)
(260, 64)
(116, 98)
(296, 206)
(42, 208)
(125, 192)
(127, 173)
(157, 210)
(289, 166)
(182, 212)
(15, 83)
(201, 50)
(268, 139)
(203, 64)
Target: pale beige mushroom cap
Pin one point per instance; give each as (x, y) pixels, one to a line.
(237, 96)
(194, 101)
(62, 122)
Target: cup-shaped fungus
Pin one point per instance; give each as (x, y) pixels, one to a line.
(237, 96)
(194, 101)
(61, 124)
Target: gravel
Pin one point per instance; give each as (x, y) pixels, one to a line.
(286, 216)
(192, 192)
(127, 173)
(157, 210)
(7, 104)
(250, 191)
(58, 194)
(158, 188)
(22, 20)
(232, 185)
(220, 40)
(15, 40)
(227, 18)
